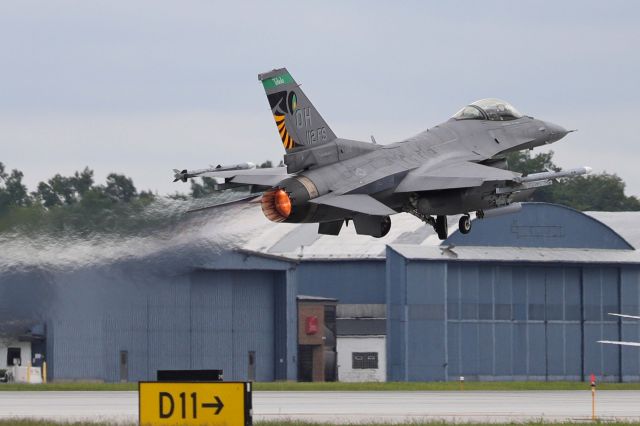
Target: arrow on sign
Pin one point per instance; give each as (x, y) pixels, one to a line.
(218, 405)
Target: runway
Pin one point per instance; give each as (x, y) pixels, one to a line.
(347, 407)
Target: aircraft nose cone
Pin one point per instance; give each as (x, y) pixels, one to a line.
(553, 132)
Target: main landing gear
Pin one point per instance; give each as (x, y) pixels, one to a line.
(440, 226)
(440, 223)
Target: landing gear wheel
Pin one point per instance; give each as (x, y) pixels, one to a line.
(464, 225)
(441, 227)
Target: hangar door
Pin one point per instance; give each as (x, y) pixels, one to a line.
(521, 322)
(232, 323)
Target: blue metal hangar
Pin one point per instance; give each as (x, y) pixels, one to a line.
(522, 297)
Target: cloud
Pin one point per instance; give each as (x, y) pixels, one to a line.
(140, 87)
(144, 146)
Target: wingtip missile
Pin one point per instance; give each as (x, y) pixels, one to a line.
(180, 175)
(241, 166)
(185, 174)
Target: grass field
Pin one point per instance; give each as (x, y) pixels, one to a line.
(337, 386)
(24, 422)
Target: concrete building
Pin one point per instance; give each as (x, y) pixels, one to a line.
(361, 343)
(13, 352)
(523, 296)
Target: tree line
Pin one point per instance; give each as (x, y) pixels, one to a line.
(66, 190)
(592, 192)
(78, 201)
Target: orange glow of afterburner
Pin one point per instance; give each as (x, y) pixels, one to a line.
(283, 203)
(276, 204)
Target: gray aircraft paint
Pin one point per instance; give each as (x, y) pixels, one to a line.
(456, 167)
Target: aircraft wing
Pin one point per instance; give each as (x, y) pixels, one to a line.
(612, 342)
(264, 177)
(361, 203)
(463, 174)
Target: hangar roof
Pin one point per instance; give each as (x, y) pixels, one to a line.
(623, 223)
(412, 238)
(518, 254)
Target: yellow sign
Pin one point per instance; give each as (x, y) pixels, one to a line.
(213, 403)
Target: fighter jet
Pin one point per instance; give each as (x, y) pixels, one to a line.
(456, 167)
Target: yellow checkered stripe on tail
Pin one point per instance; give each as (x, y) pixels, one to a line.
(287, 140)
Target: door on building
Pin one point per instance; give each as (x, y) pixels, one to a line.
(124, 366)
(305, 363)
(13, 357)
(251, 373)
(233, 323)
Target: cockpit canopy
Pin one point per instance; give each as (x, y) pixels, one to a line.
(488, 109)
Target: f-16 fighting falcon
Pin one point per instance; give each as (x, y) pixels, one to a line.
(457, 167)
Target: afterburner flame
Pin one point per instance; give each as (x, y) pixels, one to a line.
(276, 204)
(283, 203)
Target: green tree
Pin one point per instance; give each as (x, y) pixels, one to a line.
(64, 190)
(120, 188)
(82, 181)
(207, 187)
(47, 195)
(13, 193)
(146, 196)
(523, 162)
(62, 186)
(17, 191)
(600, 192)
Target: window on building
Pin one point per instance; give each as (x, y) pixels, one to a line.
(361, 360)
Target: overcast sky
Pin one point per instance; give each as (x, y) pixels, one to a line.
(142, 87)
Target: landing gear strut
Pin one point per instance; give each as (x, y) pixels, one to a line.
(464, 225)
(441, 227)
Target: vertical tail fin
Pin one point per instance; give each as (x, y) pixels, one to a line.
(299, 123)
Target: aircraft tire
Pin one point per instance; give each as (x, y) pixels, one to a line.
(441, 227)
(464, 225)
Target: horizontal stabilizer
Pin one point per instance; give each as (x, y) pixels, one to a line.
(611, 342)
(262, 180)
(454, 175)
(361, 203)
(249, 198)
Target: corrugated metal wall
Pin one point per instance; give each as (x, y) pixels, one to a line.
(489, 321)
(203, 320)
(358, 281)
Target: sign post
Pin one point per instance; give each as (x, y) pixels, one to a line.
(195, 403)
(593, 397)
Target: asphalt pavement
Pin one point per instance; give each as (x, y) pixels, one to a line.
(348, 407)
